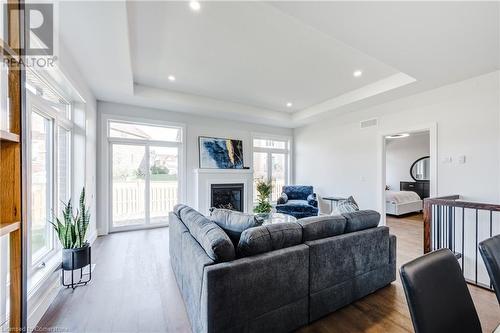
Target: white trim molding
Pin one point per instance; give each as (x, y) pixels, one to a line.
(204, 178)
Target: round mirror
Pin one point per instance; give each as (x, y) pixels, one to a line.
(420, 169)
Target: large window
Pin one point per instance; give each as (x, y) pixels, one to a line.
(49, 171)
(145, 173)
(271, 163)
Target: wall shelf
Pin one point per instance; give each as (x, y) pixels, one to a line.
(8, 136)
(7, 228)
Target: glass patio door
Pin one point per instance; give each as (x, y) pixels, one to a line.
(129, 173)
(145, 184)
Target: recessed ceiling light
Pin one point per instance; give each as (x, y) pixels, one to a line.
(289, 104)
(398, 136)
(357, 73)
(171, 78)
(194, 5)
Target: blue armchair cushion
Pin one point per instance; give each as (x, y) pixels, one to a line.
(311, 200)
(282, 199)
(296, 206)
(297, 192)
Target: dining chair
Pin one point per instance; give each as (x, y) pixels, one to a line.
(490, 251)
(437, 295)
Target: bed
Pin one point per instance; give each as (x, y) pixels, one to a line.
(402, 202)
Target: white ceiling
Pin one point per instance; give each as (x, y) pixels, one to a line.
(246, 60)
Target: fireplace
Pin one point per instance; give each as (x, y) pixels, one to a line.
(228, 196)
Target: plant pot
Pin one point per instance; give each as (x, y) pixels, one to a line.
(76, 258)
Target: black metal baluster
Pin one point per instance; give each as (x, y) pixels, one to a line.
(477, 213)
(491, 223)
(452, 210)
(491, 234)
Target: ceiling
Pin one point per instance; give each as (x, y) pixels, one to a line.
(247, 60)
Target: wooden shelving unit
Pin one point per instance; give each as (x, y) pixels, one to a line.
(7, 228)
(8, 136)
(12, 219)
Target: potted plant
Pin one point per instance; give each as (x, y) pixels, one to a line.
(264, 190)
(72, 231)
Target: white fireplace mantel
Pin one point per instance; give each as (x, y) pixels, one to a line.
(204, 178)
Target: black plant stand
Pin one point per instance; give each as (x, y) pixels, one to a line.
(73, 267)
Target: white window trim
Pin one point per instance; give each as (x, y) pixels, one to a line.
(56, 120)
(105, 211)
(288, 151)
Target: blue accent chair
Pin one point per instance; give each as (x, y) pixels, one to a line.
(298, 200)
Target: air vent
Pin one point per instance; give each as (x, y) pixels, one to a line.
(369, 123)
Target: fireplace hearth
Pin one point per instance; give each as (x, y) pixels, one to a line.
(227, 196)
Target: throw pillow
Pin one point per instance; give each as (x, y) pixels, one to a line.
(282, 199)
(233, 222)
(347, 206)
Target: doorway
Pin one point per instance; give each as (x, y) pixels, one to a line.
(408, 176)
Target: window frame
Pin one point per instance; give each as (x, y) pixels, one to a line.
(287, 151)
(44, 108)
(110, 141)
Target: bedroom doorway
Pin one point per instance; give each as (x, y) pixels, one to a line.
(407, 174)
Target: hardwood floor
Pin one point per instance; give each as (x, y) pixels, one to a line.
(386, 310)
(133, 290)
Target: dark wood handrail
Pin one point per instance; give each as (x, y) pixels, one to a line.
(449, 201)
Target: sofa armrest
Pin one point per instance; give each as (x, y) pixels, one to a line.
(312, 200)
(235, 294)
(282, 199)
(392, 248)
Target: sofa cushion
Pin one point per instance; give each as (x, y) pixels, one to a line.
(233, 222)
(316, 227)
(208, 234)
(268, 238)
(361, 220)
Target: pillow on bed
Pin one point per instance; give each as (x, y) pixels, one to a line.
(347, 206)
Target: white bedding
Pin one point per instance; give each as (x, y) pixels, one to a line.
(399, 197)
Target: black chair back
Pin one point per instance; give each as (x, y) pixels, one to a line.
(490, 251)
(437, 295)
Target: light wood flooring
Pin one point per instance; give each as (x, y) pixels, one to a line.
(133, 290)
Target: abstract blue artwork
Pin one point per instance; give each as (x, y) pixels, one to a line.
(217, 153)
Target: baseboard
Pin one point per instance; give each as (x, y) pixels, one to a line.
(42, 302)
(92, 237)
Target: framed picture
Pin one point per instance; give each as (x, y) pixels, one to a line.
(219, 153)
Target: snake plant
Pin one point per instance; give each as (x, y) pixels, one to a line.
(72, 229)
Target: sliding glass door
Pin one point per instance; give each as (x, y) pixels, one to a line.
(144, 175)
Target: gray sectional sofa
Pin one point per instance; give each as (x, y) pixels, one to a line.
(278, 277)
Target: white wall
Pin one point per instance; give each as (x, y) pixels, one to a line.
(400, 155)
(467, 115)
(195, 126)
(84, 174)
